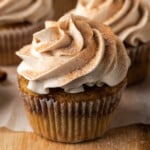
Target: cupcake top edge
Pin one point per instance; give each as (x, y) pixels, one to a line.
(70, 53)
(129, 19)
(30, 11)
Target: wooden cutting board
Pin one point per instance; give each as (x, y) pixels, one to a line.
(135, 137)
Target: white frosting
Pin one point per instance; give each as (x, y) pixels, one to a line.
(13, 11)
(71, 53)
(129, 19)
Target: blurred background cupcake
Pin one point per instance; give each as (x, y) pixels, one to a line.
(62, 6)
(71, 79)
(130, 20)
(18, 21)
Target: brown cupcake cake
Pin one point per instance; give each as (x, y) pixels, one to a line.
(18, 21)
(130, 20)
(71, 79)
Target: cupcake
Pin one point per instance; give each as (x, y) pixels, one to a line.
(18, 21)
(130, 20)
(71, 79)
(62, 6)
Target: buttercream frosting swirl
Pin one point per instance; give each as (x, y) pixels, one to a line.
(13, 11)
(71, 53)
(129, 19)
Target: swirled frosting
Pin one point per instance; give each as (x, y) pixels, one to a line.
(13, 11)
(129, 19)
(71, 53)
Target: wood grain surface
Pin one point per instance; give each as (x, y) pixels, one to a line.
(134, 137)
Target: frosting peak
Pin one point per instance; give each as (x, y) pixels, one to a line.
(71, 53)
(129, 19)
(13, 11)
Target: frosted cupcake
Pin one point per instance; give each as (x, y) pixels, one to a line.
(18, 21)
(71, 79)
(130, 20)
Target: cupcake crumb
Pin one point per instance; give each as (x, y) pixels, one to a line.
(3, 75)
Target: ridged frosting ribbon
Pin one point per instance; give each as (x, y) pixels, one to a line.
(71, 53)
(13, 11)
(129, 19)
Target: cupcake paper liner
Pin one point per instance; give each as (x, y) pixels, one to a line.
(139, 63)
(12, 39)
(70, 122)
